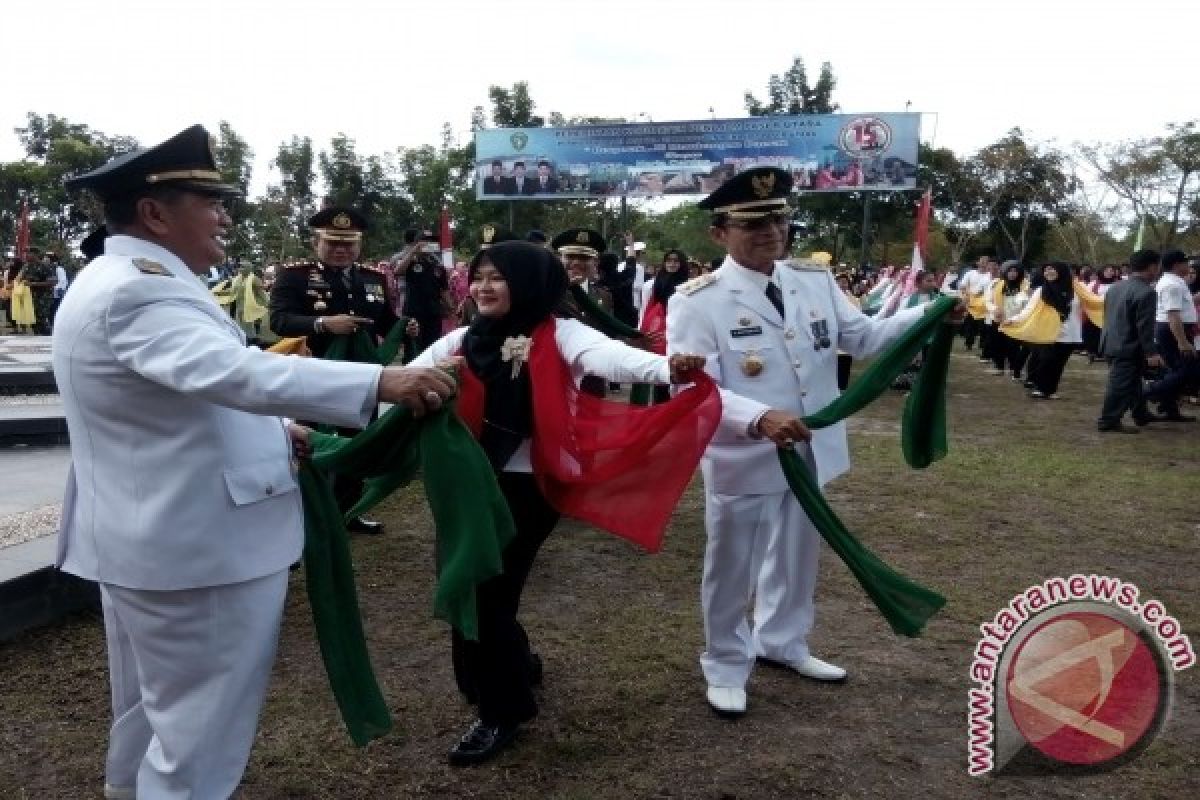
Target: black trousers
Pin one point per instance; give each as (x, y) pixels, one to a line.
(989, 335)
(1123, 392)
(1181, 372)
(1051, 362)
(498, 671)
(970, 330)
(1008, 352)
(431, 331)
(845, 362)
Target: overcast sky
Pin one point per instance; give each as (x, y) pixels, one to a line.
(391, 73)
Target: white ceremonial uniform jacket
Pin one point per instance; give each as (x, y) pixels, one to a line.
(586, 352)
(726, 315)
(178, 478)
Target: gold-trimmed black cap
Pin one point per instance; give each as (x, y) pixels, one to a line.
(751, 194)
(579, 242)
(186, 161)
(338, 224)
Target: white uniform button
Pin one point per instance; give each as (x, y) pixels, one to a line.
(789, 334)
(804, 394)
(796, 363)
(270, 490)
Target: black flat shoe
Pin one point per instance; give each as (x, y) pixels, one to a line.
(1118, 428)
(535, 669)
(364, 525)
(481, 743)
(1142, 422)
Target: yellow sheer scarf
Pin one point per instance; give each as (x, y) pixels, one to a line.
(1043, 324)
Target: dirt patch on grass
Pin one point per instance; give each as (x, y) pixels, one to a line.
(1029, 491)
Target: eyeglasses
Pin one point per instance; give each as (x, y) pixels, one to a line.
(778, 219)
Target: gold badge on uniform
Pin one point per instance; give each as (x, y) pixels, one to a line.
(489, 233)
(582, 237)
(341, 221)
(744, 321)
(752, 364)
(319, 305)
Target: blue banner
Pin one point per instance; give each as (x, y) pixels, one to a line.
(824, 153)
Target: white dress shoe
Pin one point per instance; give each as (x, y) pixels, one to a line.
(727, 701)
(119, 793)
(811, 667)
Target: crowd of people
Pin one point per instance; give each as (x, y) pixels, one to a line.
(30, 290)
(185, 439)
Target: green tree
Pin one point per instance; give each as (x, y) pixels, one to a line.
(513, 108)
(1028, 187)
(55, 149)
(235, 161)
(791, 93)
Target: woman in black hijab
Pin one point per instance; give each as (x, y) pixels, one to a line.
(517, 287)
(1058, 292)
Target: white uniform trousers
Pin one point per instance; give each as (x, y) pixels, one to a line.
(189, 672)
(762, 547)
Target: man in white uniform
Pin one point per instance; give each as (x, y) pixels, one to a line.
(772, 330)
(182, 499)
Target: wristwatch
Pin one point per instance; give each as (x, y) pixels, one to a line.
(319, 325)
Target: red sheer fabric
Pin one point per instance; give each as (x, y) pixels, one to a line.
(654, 325)
(618, 467)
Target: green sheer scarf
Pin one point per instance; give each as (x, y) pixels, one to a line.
(906, 605)
(473, 524)
(360, 346)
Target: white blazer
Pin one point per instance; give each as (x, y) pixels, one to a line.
(179, 478)
(726, 315)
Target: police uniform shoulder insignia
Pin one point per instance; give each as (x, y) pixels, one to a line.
(148, 267)
(300, 265)
(806, 265)
(370, 268)
(696, 284)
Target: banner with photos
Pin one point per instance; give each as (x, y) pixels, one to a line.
(824, 153)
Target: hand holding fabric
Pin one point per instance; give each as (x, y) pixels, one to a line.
(683, 366)
(783, 428)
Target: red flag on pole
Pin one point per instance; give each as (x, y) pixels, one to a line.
(446, 239)
(921, 234)
(22, 249)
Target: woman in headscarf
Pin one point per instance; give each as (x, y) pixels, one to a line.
(1104, 278)
(1057, 292)
(655, 296)
(556, 451)
(1009, 299)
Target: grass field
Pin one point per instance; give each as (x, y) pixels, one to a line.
(1029, 491)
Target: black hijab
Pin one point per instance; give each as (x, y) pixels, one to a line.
(536, 282)
(666, 282)
(1059, 292)
(1014, 286)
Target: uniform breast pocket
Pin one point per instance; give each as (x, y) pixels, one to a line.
(259, 481)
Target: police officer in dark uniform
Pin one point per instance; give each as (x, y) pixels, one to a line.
(330, 297)
(427, 298)
(580, 249)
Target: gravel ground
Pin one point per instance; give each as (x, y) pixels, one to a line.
(26, 525)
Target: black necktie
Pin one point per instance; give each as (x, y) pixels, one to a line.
(776, 297)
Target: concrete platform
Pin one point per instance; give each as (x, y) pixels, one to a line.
(32, 423)
(32, 477)
(33, 593)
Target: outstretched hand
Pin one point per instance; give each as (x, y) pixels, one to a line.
(683, 365)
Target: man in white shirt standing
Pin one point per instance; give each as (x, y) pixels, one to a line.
(1174, 336)
(635, 259)
(973, 286)
(773, 330)
(182, 500)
